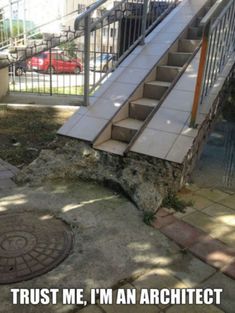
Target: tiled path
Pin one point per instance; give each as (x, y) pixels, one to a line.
(206, 229)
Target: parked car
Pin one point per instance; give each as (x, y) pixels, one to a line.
(103, 62)
(20, 68)
(60, 63)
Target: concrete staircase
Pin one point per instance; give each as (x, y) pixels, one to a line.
(132, 118)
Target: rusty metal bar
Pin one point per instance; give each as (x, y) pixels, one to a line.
(200, 76)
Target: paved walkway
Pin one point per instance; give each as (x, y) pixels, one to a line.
(114, 249)
(206, 229)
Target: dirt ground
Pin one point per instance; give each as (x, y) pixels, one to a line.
(25, 132)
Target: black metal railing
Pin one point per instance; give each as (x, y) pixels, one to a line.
(115, 34)
(100, 38)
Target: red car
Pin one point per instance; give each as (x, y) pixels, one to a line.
(60, 63)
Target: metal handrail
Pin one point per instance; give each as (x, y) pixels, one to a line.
(218, 39)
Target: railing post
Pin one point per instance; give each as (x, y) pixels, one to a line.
(144, 21)
(200, 75)
(87, 33)
(50, 72)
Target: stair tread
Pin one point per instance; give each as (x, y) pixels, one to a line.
(159, 83)
(146, 102)
(113, 146)
(130, 123)
(191, 40)
(179, 52)
(171, 66)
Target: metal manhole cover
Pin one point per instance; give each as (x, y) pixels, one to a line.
(31, 245)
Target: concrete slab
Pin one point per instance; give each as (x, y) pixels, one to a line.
(220, 280)
(107, 247)
(189, 269)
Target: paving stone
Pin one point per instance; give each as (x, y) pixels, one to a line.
(218, 210)
(200, 220)
(193, 308)
(91, 309)
(220, 280)
(189, 269)
(198, 202)
(131, 308)
(182, 233)
(230, 270)
(229, 201)
(218, 227)
(213, 252)
(163, 218)
(211, 194)
(224, 233)
(158, 279)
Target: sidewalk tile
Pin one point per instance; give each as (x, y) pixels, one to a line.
(219, 280)
(131, 308)
(198, 202)
(229, 201)
(211, 194)
(230, 270)
(218, 210)
(163, 218)
(182, 233)
(158, 279)
(189, 269)
(213, 252)
(200, 220)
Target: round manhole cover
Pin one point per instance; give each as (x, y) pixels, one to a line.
(31, 245)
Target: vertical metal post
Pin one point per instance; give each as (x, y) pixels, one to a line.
(24, 23)
(11, 18)
(200, 76)
(144, 21)
(50, 72)
(87, 33)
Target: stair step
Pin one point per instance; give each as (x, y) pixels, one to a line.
(155, 89)
(167, 73)
(124, 130)
(188, 45)
(112, 146)
(194, 33)
(141, 108)
(178, 58)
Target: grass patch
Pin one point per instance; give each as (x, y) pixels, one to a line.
(171, 201)
(25, 132)
(149, 217)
